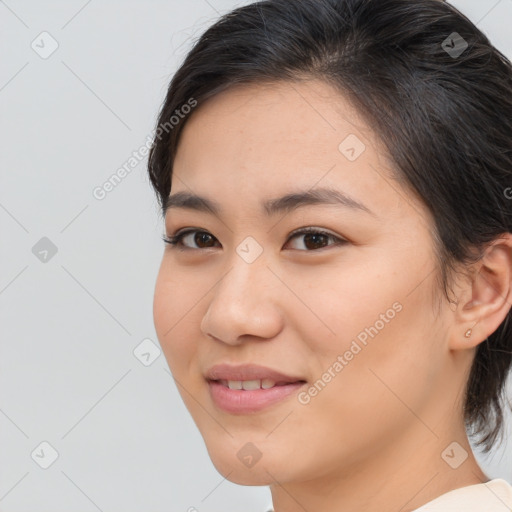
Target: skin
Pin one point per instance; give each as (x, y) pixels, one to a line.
(373, 437)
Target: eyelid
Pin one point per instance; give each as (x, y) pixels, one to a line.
(313, 229)
(180, 233)
(174, 242)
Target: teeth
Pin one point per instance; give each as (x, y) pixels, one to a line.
(249, 385)
(267, 383)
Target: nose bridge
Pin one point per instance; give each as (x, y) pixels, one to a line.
(247, 269)
(244, 301)
(244, 285)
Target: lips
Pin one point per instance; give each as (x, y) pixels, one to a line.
(249, 372)
(249, 388)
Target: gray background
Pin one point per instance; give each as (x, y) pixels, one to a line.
(70, 324)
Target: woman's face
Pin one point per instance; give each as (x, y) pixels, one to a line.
(346, 316)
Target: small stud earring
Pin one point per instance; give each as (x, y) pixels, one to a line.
(467, 333)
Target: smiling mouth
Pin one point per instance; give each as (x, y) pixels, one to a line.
(251, 385)
(250, 396)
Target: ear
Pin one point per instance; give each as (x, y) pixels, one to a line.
(486, 298)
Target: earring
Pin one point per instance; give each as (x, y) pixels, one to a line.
(467, 333)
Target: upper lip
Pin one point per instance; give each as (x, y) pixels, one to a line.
(248, 372)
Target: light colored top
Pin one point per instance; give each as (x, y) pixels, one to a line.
(492, 496)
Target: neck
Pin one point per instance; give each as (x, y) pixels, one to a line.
(404, 475)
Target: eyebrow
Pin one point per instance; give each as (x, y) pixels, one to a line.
(283, 204)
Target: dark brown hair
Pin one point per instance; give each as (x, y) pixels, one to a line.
(435, 90)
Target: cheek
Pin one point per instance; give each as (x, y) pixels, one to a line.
(375, 342)
(388, 359)
(175, 319)
(365, 297)
(347, 303)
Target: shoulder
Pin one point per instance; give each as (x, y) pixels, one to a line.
(492, 496)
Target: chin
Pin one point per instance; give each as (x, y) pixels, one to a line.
(246, 465)
(234, 471)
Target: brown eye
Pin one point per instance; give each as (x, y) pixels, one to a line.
(202, 239)
(314, 239)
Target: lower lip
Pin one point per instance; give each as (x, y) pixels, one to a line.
(240, 401)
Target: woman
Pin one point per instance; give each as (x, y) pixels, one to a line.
(334, 297)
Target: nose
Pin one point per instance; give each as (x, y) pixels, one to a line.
(244, 304)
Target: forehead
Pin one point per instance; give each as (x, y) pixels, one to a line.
(258, 139)
(268, 115)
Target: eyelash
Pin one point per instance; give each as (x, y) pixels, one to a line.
(175, 241)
